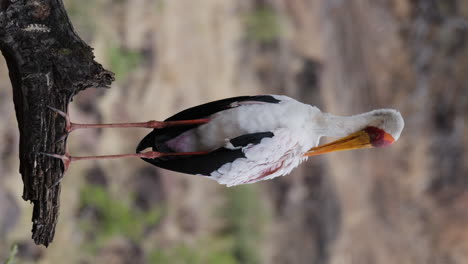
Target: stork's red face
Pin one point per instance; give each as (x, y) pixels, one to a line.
(366, 138)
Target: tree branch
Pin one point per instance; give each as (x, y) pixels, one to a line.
(48, 64)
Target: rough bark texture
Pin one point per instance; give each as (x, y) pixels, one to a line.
(48, 64)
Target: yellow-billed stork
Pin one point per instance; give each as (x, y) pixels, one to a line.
(251, 138)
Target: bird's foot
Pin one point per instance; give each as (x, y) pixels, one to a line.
(68, 123)
(66, 159)
(60, 139)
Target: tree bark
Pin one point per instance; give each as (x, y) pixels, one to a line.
(48, 64)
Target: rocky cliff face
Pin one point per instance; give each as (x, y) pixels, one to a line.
(401, 204)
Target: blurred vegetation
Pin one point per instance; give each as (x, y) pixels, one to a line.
(77, 10)
(12, 258)
(122, 61)
(211, 252)
(237, 242)
(115, 217)
(246, 218)
(263, 25)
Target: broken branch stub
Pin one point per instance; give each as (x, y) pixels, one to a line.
(48, 64)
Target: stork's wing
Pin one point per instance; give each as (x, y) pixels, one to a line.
(157, 136)
(244, 159)
(269, 158)
(211, 162)
(204, 110)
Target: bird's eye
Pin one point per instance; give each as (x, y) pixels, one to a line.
(374, 133)
(378, 136)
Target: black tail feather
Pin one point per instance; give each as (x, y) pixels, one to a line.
(146, 142)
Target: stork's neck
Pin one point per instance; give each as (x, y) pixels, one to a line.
(341, 126)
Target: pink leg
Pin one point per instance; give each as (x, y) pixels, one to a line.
(150, 124)
(67, 159)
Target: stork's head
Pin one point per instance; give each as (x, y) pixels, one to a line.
(384, 127)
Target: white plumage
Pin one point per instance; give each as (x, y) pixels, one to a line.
(251, 117)
(251, 138)
(271, 158)
(297, 128)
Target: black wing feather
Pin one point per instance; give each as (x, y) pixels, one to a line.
(206, 164)
(157, 137)
(204, 110)
(254, 138)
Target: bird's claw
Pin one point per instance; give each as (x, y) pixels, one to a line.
(66, 159)
(66, 163)
(62, 138)
(68, 126)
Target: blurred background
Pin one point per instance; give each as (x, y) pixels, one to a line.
(403, 204)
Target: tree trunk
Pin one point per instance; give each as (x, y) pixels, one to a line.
(48, 64)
